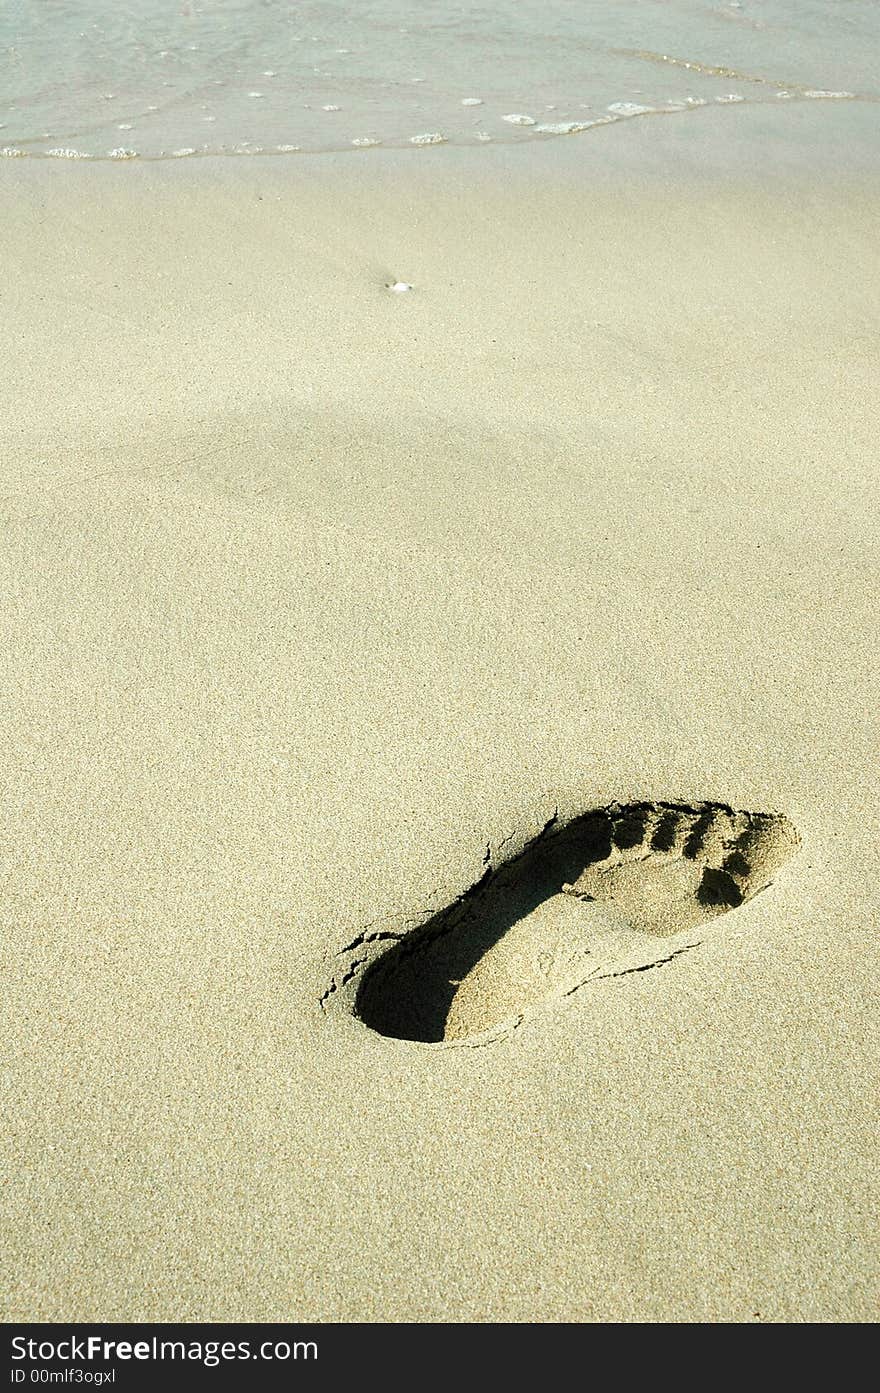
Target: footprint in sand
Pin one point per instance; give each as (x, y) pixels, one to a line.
(616, 890)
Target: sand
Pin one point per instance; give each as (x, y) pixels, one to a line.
(319, 598)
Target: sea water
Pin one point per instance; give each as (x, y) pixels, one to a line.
(157, 79)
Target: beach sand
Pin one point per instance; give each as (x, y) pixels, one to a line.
(317, 598)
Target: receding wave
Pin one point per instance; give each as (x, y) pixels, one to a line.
(163, 79)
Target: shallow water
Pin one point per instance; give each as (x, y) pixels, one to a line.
(163, 78)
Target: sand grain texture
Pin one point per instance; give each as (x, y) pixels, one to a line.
(313, 592)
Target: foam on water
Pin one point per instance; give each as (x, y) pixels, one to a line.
(181, 78)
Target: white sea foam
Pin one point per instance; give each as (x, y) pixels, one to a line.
(428, 138)
(628, 109)
(564, 127)
(515, 119)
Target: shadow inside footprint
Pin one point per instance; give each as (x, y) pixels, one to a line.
(588, 899)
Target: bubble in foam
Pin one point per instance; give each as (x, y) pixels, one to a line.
(331, 107)
(183, 152)
(122, 153)
(817, 92)
(517, 119)
(628, 109)
(289, 149)
(364, 140)
(472, 101)
(563, 127)
(64, 154)
(589, 121)
(427, 138)
(11, 152)
(730, 97)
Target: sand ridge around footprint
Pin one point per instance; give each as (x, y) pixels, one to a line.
(615, 890)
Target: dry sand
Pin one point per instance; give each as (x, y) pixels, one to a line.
(313, 593)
